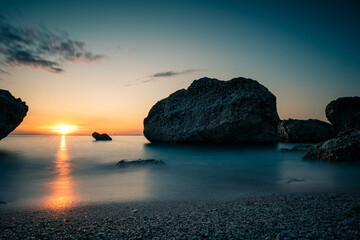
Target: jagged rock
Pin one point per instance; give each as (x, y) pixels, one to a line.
(101, 137)
(344, 113)
(345, 147)
(140, 162)
(302, 147)
(311, 130)
(212, 111)
(12, 112)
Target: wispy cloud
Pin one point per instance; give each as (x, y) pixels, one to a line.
(173, 73)
(156, 76)
(40, 48)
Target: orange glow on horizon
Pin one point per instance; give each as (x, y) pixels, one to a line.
(63, 129)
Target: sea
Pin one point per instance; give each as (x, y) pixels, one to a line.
(62, 171)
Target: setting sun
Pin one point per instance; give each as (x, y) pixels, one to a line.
(64, 129)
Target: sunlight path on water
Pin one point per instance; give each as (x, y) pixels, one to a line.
(61, 188)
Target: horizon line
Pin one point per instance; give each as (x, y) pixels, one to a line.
(50, 134)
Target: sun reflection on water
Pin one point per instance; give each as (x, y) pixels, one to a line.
(62, 194)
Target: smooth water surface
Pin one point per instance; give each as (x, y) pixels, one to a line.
(59, 171)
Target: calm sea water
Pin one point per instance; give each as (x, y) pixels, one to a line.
(59, 171)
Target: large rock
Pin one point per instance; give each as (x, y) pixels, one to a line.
(101, 137)
(344, 113)
(311, 130)
(345, 147)
(12, 112)
(211, 111)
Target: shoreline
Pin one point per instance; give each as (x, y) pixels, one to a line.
(270, 216)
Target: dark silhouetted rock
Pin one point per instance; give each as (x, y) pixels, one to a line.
(311, 130)
(343, 148)
(101, 137)
(292, 180)
(139, 162)
(12, 112)
(344, 113)
(211, 111)
(302, 147)
(3, 202)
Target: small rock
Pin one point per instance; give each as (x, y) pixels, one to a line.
(101, 137)
(347, 221)
(302, 147)
(134, 211)
(140, 162)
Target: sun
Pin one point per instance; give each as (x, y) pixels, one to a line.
(64, 129)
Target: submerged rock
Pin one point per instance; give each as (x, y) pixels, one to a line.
(344, 113)
(12, 112)
(101, 137)
(212, 111)
(302, 147)
(343, 148)
(3, 202)
(311, 130)
(292, 180)
(140, 162)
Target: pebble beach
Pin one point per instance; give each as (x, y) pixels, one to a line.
(274, 216)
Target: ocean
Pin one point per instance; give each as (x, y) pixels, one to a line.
(62, 171)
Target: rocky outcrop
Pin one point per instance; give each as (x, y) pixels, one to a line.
(12, 112)
(345, 147)
(302, 147)
(311, 130)
(140, 162)
(344, 113)
(212, 111)
(101, 137)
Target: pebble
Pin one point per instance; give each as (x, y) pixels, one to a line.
(276, 216)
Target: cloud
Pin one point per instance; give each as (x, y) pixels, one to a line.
(172, 73)
(156, 76)
(40, 48)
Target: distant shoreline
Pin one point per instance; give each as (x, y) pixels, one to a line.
(275, 216)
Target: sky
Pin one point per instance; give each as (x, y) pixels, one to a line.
(101, 65)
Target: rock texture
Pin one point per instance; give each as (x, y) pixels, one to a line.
(344, 113)
(302, 147)
(311, 130)
(101, 137)
(12, 112)
(140, 162)
(212, 111)
(345, 147)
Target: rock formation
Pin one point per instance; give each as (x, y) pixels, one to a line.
(302, 147)
(344, 113)
(101, 137)
(345, 147)
(12, 112)
(140, 162)
(212, 111)
(305, 131)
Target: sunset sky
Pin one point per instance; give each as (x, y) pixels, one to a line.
(101, 65)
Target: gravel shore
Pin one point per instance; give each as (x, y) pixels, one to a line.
(277, 216)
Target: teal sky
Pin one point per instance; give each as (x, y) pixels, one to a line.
(306, 52)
